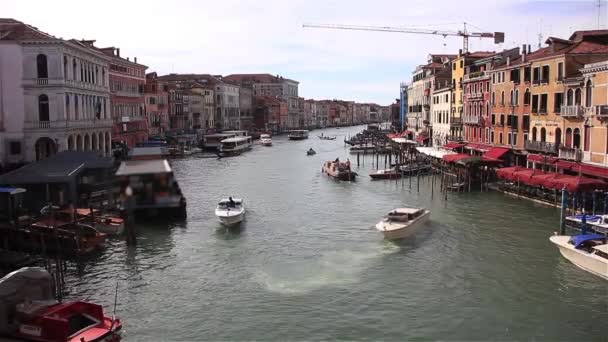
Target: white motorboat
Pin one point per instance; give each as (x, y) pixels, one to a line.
(597, 223)
(230, 211)
(402, 222)
(234, 146)
(298, 134)
(265, 140)
(588, 252)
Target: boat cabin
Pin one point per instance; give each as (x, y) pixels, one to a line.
(213, 141)
(587, 242)
(601, 250)
(235, 143)
(225, 203)
(404, 214)
(265, 136)
(237, 133)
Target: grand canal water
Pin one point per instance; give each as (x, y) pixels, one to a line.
(308, 265)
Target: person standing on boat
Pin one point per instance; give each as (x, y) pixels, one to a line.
(231, 203)
(348, 164)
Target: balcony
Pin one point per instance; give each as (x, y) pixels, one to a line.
(575, 111)
(475, 96)
(472, 120)
(455, 121)
(474, 75)
(540, 146)
(568, 153)
(125, 93)
(601, 110)
(62, 125)
(454, 138)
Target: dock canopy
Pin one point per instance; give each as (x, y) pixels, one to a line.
(586, 169)
(454, 158)
(143, 167)
(478, 147)
(538, 158)
(496, 153)
(452, 145)
(62, 167)
(433, 152)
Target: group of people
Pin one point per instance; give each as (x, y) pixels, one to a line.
(346, 164)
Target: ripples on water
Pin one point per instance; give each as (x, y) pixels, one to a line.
(307, 263)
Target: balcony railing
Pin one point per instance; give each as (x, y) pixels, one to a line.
(63, 124)
(42, 81)
(540, 146)
(474, 75)
(454, 138)
(455, 121)
(474, 96)
(575, 111)
(471, 119)
(601, 110)
(570, 153)
(44, 124)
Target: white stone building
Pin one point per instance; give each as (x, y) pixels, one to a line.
(441, 117)
(54, 95)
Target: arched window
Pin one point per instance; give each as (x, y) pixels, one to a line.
(65, 67)
(81, 73)
(588, 94)
(576, 138)
(527, 97)
(96, 74)
(493, 98)
(512, 98)
(43, 71)
(543, 134)
(517, 97)
(43, 108)
(70, 143)
(558, 136)
(570, 97)
(577, 96)
(480, 108)
(502, 98)
(78, 142)
(568, 137)
(87, 142)
(533, 133)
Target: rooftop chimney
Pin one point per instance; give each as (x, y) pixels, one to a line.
(508, 60)
(118, 52)
(135, 59)
(523, 49)
(127, 59)
(529, 48)
(459, 52)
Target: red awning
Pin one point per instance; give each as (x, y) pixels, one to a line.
(478, 147)
(452, 145)
(537, 158)
(505, 172)
(575, 183)
(453, 158)
(398, 135)
(496, 152)
(523, 175)
(590, 170)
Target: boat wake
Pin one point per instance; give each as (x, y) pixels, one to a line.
(337, 268)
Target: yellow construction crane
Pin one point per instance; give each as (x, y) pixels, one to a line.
(499, 37)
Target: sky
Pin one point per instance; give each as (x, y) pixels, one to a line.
(266, 36)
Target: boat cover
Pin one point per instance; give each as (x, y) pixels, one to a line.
(578, 240)
(28, 283)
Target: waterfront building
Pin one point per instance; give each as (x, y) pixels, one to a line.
(54, 95)
(489, 110)
(586, 104)
(245, 108)
(552, 68)
(268, 113)
(459, 64)
(156, 99)
(269, 85)
(127, 102)
(206, 109)
(442, 121)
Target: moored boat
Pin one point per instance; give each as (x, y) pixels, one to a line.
(326, 137)
(402, 222)
(230, 211)
(58, 236)
(386, 174)
(339, 171)
(104, 223)
(265, 140)
(212, 142)
(597, 223)
(35, 315)
(298, 134)
(414, 169)
(587, 251)
(150, 190)
(311, 152)
(234, 146)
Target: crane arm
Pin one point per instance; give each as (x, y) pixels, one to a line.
(399, 30)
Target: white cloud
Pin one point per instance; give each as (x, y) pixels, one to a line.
(266, 36)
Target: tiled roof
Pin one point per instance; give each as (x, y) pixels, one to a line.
(480, 54)
(580, 35)
(255, 78)
(202, 78)
(11, 29)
